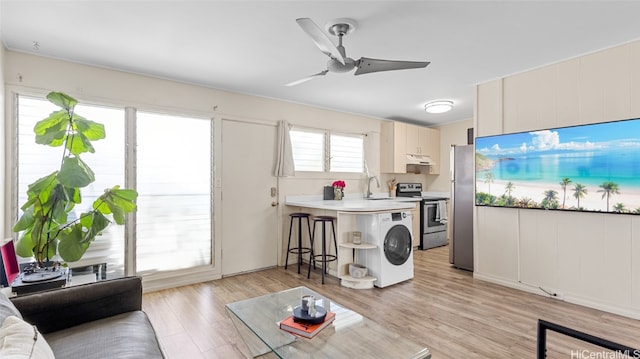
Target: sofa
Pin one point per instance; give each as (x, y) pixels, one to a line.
(95, 320)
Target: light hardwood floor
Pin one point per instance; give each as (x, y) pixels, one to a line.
(442, 308)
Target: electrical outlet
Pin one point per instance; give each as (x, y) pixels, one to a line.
(218, 183)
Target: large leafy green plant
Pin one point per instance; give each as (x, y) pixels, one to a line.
(44, 223)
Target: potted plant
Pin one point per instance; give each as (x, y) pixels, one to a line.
(338, 189)
(45, 224)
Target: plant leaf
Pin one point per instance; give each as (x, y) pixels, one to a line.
(127, 194)
(91, 130)
(52, 130)
(47, 194)
(29, 203)
(98, 223)
(75, 173)
(59, 210)
(118, 212)
(78, 144)
(119, 202)
(37, 234)
(73, 194)
(56, 119)
(24, 246)
(62, 100)
(125, 204)
(101, 206)
(25, 221)
(34, 189)
(47, 251)
(39, 193)
(71, 246)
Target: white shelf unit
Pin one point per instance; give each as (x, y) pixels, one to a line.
(350, 250)
(365, 279)
(358, 246)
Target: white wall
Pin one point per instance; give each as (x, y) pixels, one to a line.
(450, 134)
(586, 258)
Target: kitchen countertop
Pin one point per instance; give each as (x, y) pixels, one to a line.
(352, 204)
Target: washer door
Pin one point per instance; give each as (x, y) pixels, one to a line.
(397, 245)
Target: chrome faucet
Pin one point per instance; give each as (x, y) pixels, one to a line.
(369, 194)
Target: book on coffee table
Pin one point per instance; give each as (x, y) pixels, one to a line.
(304, 329)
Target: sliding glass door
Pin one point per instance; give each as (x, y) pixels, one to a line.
(174, 160)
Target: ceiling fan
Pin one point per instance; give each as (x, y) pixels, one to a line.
(339, 62)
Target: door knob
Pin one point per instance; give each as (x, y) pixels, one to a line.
(273, 204)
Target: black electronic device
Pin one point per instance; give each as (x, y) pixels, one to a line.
(40, 280)
(40, 276)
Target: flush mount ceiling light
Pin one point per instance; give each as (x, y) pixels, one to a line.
(439, 106)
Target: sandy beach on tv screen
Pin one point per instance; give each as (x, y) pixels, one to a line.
(591, 201)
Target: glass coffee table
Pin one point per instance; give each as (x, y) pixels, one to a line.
(351, 335)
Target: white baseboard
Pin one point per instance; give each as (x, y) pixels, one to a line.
(155, 284)
(567, 297)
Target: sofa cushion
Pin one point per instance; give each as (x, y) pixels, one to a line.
(127, 335)
(21, 340)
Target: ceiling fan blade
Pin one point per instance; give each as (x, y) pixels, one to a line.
(298, 82)
(366, 65)
(322, 41)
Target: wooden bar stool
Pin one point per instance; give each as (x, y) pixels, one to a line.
(299, 250)
(324, 258)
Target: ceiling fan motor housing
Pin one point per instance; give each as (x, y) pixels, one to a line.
(335, 66)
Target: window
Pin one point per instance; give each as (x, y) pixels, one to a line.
(36, 161)
(308, 150)
(347, 154)
(174, 161)
(321, 151)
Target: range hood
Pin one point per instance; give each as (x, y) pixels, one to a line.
(420, 160)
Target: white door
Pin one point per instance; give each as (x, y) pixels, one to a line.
(249, 221)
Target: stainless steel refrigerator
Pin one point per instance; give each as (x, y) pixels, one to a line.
(462, 202)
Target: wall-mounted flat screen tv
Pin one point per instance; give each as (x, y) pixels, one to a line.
(592, 168)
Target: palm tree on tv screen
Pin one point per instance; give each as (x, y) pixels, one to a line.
(564, 183)
(509, 187)
(488, 178)
(609, 189)
(550, 199)
(579, 191)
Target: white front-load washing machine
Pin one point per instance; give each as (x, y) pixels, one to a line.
(391, 261)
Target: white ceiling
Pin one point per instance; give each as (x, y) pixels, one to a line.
(256, 47)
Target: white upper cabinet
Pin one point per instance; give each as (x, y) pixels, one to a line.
(400, 139)
(424, 141)
(393, 158)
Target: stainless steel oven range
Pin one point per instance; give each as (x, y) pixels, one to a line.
(433, 215)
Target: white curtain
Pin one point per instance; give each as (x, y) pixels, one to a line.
(284, 160)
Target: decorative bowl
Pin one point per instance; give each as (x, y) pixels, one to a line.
(300, 316)
(357, 270)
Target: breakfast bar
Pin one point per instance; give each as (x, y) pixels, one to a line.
(348, 213)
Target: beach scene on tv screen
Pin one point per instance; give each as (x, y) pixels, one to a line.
(582, 168)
